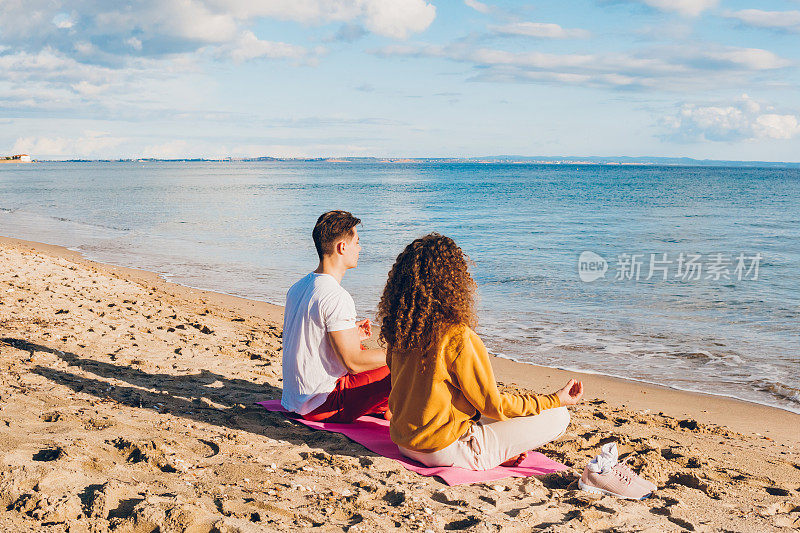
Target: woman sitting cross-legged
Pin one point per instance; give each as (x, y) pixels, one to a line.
(446, 409)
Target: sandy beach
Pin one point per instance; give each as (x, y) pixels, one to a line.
(126, 404)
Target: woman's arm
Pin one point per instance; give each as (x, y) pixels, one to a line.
(472, 369)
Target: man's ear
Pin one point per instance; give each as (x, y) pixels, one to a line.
(340, 246)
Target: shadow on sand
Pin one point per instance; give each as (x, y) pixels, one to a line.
(203, 397)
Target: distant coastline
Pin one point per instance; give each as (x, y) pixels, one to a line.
(500, 159)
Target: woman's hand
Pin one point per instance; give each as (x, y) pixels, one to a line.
(364, 329)
(571, 393)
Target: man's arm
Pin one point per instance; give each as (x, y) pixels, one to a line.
(347, 344)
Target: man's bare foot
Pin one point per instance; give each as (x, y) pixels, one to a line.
(515, 461)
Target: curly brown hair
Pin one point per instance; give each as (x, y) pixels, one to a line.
(428, 291)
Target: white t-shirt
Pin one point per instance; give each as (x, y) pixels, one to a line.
(315, 305)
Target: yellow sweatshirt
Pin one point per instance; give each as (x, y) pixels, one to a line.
(432, 408)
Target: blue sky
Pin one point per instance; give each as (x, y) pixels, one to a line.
(400, 78)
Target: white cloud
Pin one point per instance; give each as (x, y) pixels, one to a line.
(745, 119)
(773, 126)
(49, 65)
(63, 86)
(91, 90)
(749, 58)
(63, 21)
(390, 18)
(480, 7)
(398, 18)
(169, 150)
(104, 58)
(687, 8)
(162, 27)
(91, 143)
(178, 21)
(777, 20)
(248, 47)
(541, 30)
(666, 68)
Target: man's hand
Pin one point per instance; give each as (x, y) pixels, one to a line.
(364, 329)
(571, 393)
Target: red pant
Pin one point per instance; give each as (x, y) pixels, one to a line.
(355, 395)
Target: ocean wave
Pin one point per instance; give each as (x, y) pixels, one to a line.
(44, 219)
(778, 389)
(513, 279)
(89, 224)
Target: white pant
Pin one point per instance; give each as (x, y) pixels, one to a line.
(488, 443)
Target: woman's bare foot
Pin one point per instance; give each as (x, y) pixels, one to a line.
(515, 461)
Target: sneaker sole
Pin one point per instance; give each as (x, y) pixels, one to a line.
(595, 490)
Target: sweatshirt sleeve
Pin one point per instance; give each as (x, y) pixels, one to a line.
(473, 370)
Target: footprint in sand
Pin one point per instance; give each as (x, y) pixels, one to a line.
(49, 454)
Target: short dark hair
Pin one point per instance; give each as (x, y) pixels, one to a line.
(331, 227)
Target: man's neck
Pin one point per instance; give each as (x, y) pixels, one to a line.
(332, 268)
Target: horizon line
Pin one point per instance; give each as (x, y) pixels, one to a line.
(589, 160)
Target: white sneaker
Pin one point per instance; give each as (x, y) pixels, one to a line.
(606, 475)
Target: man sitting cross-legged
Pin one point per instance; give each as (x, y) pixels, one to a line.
(327, 376)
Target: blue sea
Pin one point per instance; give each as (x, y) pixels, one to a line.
(697, 268)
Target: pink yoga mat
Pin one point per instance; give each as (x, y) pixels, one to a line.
(373, 434)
